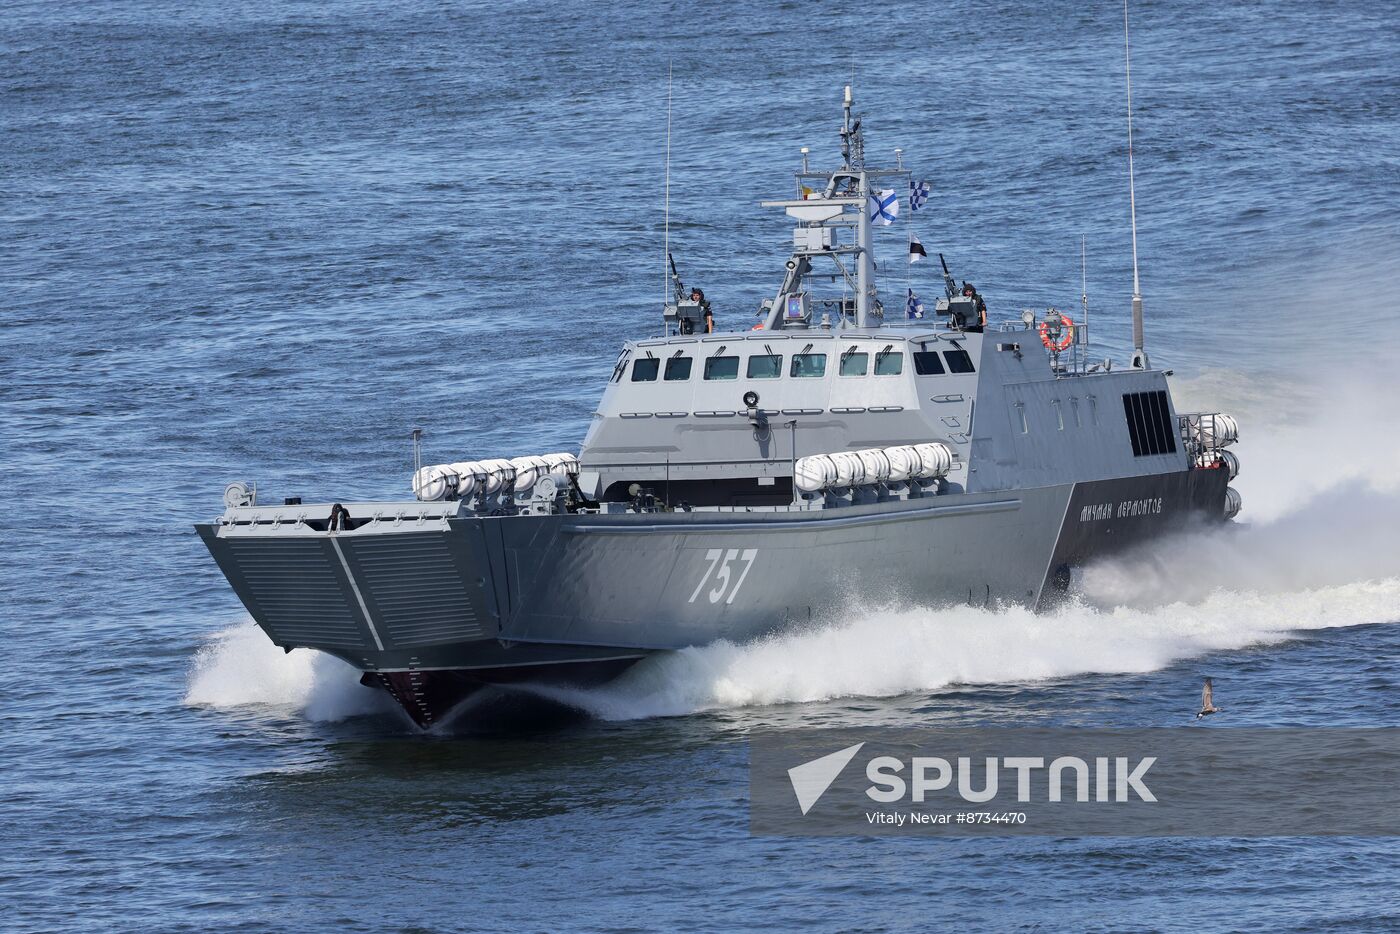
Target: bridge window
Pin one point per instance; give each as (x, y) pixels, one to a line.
(927, 363)
(765, 366)
(855, 363)
(644, 370)
(958, 361)
(722, 368)
(888, 363)
(1149, 423)
(677, 368)
(808, 364)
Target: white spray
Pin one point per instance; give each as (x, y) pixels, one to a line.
(240, 667)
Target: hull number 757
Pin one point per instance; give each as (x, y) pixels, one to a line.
(727, 570)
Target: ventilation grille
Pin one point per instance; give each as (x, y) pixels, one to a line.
(294, 586)
(419, 598)
(1149, 423)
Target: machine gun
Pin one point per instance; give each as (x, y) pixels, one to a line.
(949, 286)
(676, 284)
(687, 316)
(962, 310)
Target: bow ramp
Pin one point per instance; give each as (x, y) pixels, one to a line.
(415, 595)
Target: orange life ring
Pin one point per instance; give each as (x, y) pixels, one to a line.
(757, 327)
(1059, 345)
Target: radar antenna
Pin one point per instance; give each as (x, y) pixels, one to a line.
(1139, 355)
(852, 140)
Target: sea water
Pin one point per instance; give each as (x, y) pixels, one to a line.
(263, 241)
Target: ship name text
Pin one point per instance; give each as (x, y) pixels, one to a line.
(1127, 509)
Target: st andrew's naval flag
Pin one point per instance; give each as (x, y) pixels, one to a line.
(884, 207)
(918, 194)
(916, 250)
(913, 307)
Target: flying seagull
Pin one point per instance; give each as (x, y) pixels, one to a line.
(1207, 701)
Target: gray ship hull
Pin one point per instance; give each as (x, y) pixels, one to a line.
(432, 611)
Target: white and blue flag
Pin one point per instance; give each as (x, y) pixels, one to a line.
(918, 194)
(913, 307)
(884, 207)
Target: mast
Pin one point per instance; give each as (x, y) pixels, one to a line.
(832, 211)
(853, 149)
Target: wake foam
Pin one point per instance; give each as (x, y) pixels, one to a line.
(880, 653)
(240, 667)
(893, 652)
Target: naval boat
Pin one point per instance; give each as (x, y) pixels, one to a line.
(733, 484)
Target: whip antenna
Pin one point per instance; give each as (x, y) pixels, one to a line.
(666, 259)
(1139, 355)
(1084, 287)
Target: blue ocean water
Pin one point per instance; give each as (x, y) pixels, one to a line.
(262, 241)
